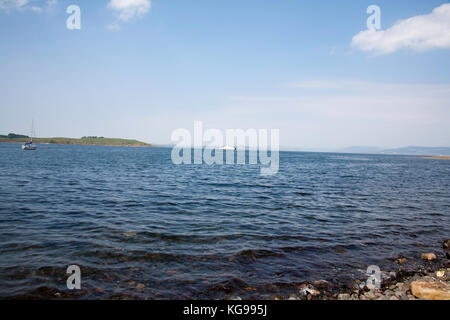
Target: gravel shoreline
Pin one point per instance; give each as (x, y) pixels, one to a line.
(429, 281)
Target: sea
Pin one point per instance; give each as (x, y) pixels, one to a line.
(140, 227)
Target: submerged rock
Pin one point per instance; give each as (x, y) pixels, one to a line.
(400, 260)
(140, 286)
(430, 290)
(446, 244)
(129, 234)
(428, 256)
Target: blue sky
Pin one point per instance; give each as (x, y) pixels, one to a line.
(141, 69)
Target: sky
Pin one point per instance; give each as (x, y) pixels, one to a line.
(141, 69)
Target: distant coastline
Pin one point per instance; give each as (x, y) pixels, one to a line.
(437, 157)
(87, 141)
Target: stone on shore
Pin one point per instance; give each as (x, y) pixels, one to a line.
(440, 273)
(428, 256)
(307, 289)
(343, 296)
(370, 295)
(430, 290)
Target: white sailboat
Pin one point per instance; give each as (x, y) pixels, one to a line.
(228, 148)
(29, 146)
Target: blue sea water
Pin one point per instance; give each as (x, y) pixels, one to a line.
(141, 227)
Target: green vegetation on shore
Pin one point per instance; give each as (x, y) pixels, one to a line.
(89, 141)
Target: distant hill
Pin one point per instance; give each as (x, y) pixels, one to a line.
(420, 151)
(411, 150)
(91, 141)
(14, 136)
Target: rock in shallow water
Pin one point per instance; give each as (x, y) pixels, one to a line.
(140, 286)
(446, 244)
(430, 290)
(321, 284)
(129, 234)
(428, 256)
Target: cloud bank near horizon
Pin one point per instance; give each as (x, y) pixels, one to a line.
(418, 33)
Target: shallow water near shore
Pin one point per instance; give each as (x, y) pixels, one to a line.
(141, 227)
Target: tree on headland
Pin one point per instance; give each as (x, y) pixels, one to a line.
(16, 136)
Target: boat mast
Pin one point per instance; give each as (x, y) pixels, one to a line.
(32, 130)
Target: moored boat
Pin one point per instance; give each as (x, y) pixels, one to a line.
(29, 146)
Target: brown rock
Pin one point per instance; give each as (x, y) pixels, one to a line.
(321, 284)
(308, 290)
(293, 297)
(129, 234)
(431, 290)
(343, 296)
(399, 285)
(370, 295)
(401, 260)
(428, 256)
(140, 286)
(440, 273)
(446, 244)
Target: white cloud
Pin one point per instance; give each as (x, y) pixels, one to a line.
(420, 33)
(52, 3)
(36, 9)
(8, 5)
(12, 4)
(127, 10)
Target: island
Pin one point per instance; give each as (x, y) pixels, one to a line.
(88, 141)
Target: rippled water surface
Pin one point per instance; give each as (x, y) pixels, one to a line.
(141, 227)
